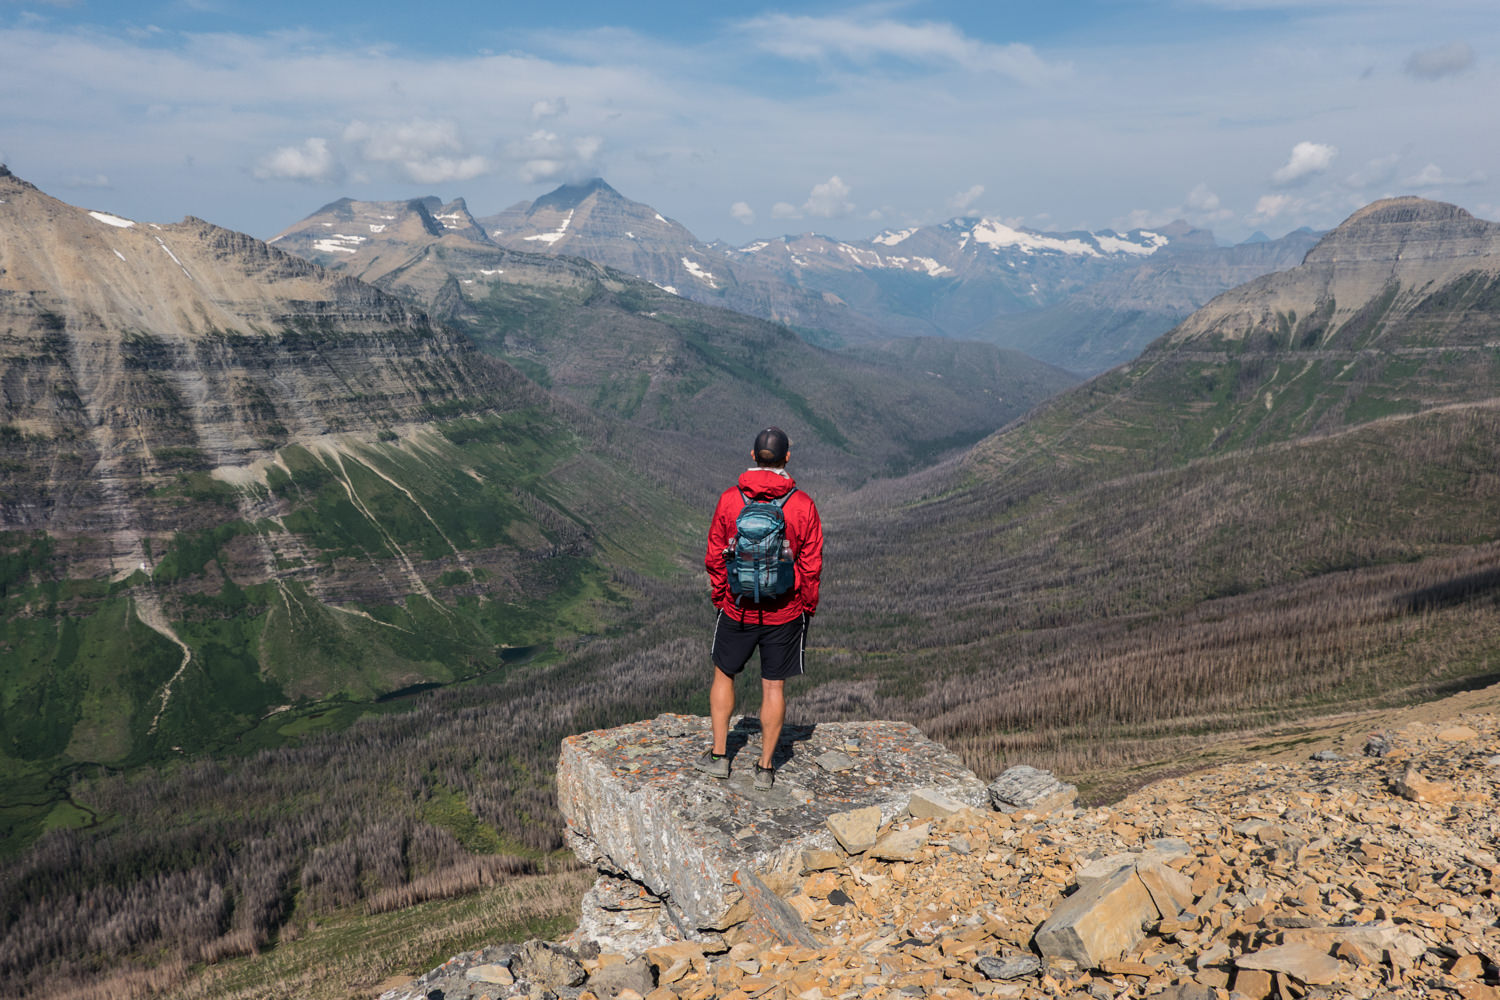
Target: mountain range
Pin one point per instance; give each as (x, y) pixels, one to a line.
(967, 278)
(248, 496)
(626, 348)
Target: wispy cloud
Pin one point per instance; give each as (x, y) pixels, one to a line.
(866, 40)
(545, 156)
(425, 151)
(742, 212)
(1444, 60)
(1433, 176)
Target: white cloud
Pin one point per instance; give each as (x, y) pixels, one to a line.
(1432, 176)
(78, 181)
(1307, 160)
(312, 161)
(1377, 171)
(863, 39)
(545, 156)
(742, 212)
(964, 200)
(549, 108)
(829, 200)
(785, 210)
(1271, 205)
(1201, 199)
(425, 151)
(1441, 61)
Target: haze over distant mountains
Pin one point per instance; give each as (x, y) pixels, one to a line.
(968, 278)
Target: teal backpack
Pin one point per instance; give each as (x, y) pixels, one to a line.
(759, 559)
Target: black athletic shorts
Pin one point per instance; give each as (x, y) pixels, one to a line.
(781, 646)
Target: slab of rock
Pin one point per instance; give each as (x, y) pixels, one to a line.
(772, 920)
(1028, 789)
(929, 803)
(1101, 921)
(635, 805)
(857, 829)
(1302, 962)
(1413, 785)
(901, 845)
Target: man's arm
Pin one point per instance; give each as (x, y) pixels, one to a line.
(809, 558)
(720, 531)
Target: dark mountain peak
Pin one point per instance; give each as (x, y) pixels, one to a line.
(572, 195)
(1186, 236)
(1256, 237)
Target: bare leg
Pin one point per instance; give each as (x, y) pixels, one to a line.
(772, 712)
(720, 708)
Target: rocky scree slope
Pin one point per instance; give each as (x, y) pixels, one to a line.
(1368, 870)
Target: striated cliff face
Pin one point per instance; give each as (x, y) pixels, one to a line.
(236, 483)
(1395, 272)
(133, 351)
(1394, 313)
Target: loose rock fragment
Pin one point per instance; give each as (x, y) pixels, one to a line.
(1023, 788)
(857, 829)
(1101, 921)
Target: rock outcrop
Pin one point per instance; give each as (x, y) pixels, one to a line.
(1293, 880)
(635, 807)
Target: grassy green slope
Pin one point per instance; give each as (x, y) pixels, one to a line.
(490, 532)
(631, 351)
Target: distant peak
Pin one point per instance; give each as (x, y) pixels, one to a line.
(571, 195)
(1399, 211)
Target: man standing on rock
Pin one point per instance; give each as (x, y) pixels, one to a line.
(766, 611)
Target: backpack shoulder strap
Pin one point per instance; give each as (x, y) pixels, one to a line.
(781, 501)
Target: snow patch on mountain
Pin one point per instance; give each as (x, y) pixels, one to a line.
(997, 236)
(1119, 244)
(112, 220)
(339, 243)
(556, 234)
(891, 237)
(697, 271)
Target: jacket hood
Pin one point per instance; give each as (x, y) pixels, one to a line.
(765, 484)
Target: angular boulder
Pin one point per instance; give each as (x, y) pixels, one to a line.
(1028, 789)
(635, 806)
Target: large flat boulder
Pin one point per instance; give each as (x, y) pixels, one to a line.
(635, 806)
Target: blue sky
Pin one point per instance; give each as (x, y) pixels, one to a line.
(845, 119)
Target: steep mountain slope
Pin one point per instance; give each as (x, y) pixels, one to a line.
(630, 350)
(237, 485)
(594, 221)
(1114, 319)
(1289, 504)
(1394, 312)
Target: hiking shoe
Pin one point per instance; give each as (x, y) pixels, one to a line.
(765, 777)
(717, 767)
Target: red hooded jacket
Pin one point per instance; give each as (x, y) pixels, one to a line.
(804, 532)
